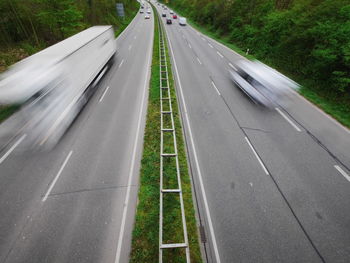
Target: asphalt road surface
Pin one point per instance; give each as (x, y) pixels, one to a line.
(271, 185)
(77, 202)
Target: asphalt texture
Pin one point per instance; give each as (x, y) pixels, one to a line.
(76, 203)
(267, 188)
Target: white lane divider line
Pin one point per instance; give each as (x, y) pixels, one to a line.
(219, 54)
(203, 38)
(216, 88)
(206, 206)
(130, 46)
(121, 63)
(189, 45)
(132, 165)
(289, 120)
(199, 61)
(343, 173)
(210, 45)
(57, 176)
(12, 148)
(232, 66)
(257, 156)
(104, 93)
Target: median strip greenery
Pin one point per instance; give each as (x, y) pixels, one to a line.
(145, 241)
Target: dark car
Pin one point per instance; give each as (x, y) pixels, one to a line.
(164, 15)
(169, 21)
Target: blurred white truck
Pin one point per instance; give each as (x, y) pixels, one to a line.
(54, 84)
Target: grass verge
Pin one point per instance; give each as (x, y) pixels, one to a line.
(145, 235)
(338, 108)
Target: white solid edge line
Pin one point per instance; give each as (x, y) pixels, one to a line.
(321, 111)
(199, 61)
(287, 119)
(215, 88)
(219, 54)
(131, 171)
(104, 93)
(210, 223)
(57, 176)
(127, 28)
(257, 156)
(343, 173)
(121, 63)
(232, 66)
(12, 148)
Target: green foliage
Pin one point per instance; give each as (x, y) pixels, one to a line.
(44, 22)
(62, 18)
(307, 39)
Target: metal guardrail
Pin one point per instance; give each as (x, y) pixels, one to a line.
(165, 101)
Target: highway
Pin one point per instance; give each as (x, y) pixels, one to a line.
(271, 185)
(77, 202)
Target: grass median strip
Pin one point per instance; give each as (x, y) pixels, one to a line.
(145, 240)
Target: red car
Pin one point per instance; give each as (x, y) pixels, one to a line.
(174, 16)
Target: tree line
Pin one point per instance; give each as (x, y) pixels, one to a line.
(307, 39)
(35, 24)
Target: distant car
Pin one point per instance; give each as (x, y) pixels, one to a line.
(182, 21)
(174, 16)
(141, 11)
(163, 14)
(171, 12)
(148, 11)
(147, 16)
(142, 7)
(169, 21)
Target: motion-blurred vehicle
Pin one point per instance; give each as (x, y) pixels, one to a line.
(261, 83)
(169, 21)
(163, 14)
(147, 16)
(182, 21)
(174, 16)
(53, 85)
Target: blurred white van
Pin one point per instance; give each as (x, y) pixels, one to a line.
(182, 21)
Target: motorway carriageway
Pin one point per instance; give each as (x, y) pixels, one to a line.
(271, 185)
(77, 202)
